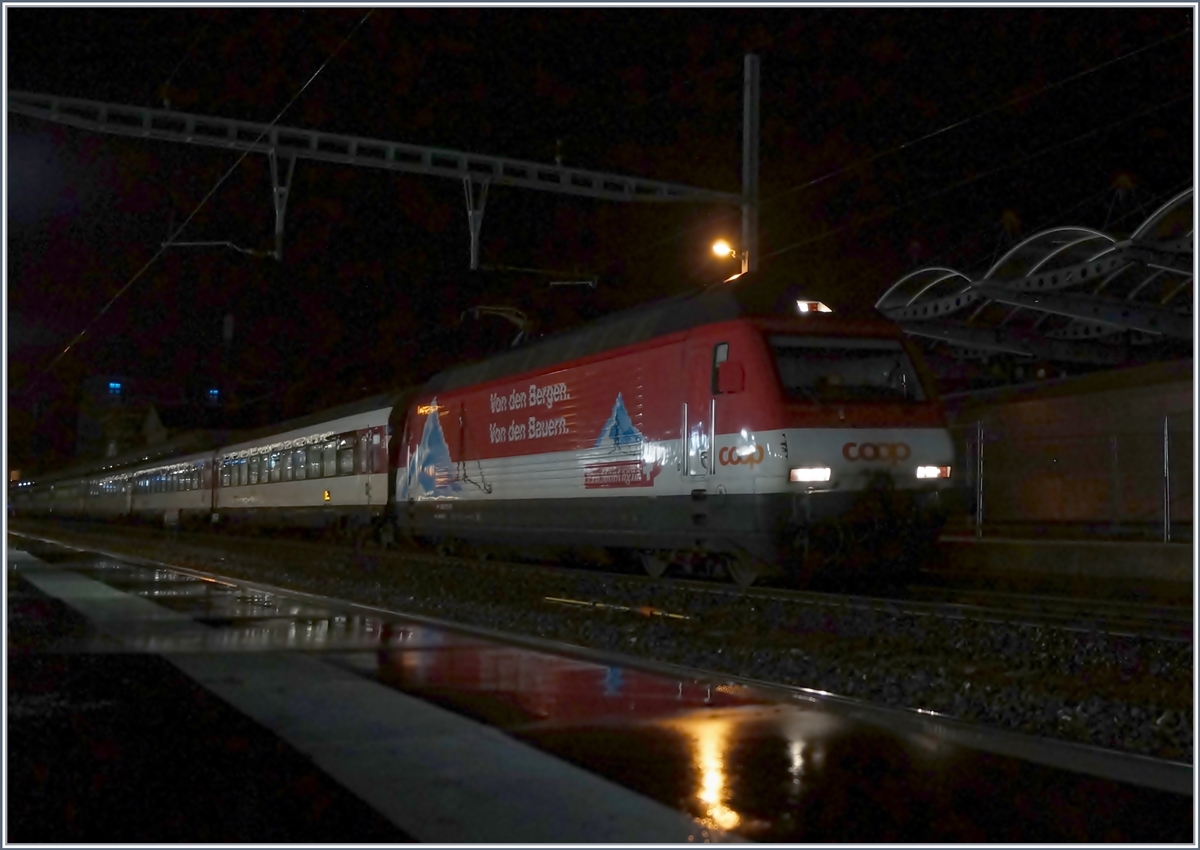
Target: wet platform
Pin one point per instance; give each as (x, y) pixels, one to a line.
(454, 737)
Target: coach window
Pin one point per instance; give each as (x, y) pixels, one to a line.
(254, 469)
(329, 459)
(314, 461)
(226, 473)
(243, 472)
(346, 444)
(276, 466)
(286, 465)
(720, 355)
(301, 463)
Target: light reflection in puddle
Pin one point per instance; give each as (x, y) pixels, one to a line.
(710, 735)
(719, 779)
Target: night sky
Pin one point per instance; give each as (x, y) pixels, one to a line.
(374, 277)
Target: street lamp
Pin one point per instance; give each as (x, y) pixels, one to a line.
(723, 249)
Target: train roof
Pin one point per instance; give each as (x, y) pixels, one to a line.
(192, 442)
(204, 442)
(756, 294)
(376, 402)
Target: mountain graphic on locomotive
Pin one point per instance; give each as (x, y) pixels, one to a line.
(719, 431)
(618, 430)
(429, 470)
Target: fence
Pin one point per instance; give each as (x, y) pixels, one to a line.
(1135, 481)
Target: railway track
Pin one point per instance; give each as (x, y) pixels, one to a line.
(955, 656)
(642, 593)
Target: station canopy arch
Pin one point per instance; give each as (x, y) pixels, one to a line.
(1070, 298)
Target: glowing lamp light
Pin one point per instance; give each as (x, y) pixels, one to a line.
(812, 307)
(810, 473)
(933, 472)
(723, 249)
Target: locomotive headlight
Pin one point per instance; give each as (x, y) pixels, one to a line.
(933, 472)
(810, 473)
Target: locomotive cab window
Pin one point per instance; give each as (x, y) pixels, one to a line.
(720, 355)
(839, 369)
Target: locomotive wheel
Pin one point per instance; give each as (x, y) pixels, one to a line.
(387, 536)
(654, 564)
(743, 569)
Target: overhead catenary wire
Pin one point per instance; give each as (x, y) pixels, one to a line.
(989, 173)
(715, 218)
(203, 201)
(164, 91)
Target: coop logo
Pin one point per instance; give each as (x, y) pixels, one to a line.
(891, 452)
(729, 457)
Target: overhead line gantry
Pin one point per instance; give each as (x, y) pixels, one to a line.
(284, 145)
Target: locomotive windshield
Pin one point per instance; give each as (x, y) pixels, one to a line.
(840, 369)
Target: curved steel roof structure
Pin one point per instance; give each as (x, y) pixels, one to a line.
(1066, 295)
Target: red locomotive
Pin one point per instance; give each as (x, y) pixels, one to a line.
(708, 431)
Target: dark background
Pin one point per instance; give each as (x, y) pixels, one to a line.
(374, 278)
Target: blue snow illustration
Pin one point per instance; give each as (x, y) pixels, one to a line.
(430, 470)
(618, 430)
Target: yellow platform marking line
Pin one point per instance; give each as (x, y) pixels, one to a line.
(645, 610)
